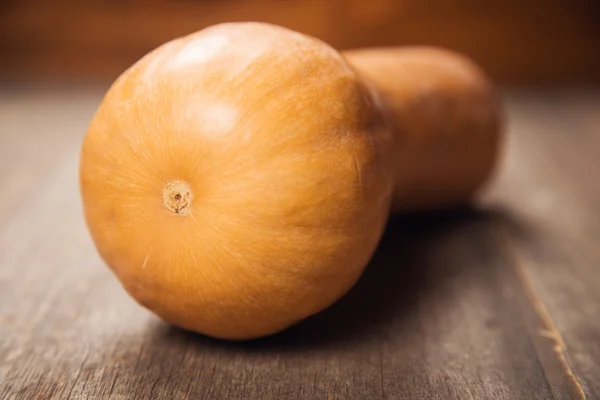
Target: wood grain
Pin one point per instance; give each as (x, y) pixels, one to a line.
(495, 301)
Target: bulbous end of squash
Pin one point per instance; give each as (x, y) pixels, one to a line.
(234, 180)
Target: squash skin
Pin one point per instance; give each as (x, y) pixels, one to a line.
(286, 157)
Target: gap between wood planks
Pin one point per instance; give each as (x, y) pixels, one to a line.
(546, 338)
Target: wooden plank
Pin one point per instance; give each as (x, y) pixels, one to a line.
(447, 309)
(28, 151)
(550, 186)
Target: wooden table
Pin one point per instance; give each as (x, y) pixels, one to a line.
(500, 301)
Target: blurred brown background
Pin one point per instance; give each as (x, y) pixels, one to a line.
(518, 42)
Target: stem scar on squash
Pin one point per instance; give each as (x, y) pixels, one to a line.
(177, 197)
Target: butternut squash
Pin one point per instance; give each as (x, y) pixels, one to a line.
(238, 180)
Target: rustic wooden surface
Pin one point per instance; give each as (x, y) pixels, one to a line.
(500, 301)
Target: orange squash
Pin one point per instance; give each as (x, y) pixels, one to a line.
(238, 180)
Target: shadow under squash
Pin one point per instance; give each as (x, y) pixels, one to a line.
(415, 257)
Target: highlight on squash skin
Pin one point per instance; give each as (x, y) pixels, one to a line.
(238, 180)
